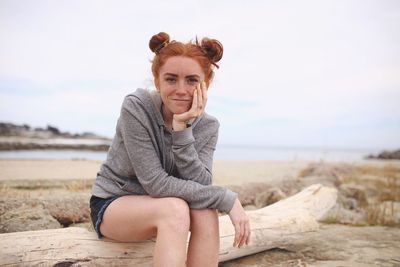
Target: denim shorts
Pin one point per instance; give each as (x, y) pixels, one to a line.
(97, 207)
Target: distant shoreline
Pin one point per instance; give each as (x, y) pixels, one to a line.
(221, 153)
(16, 144)
(18, 147)
(14, 137)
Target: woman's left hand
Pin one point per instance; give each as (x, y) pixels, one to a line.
(198, 105)
(241, 222)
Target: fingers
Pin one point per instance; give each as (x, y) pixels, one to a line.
(199, 92)
(199, 99)
(193, 112)
(241, 223)
(242, 232)
(237, 235)
(244, 235)
(193, 109)
(198, 104)
(240, 236)
(248, 231)
(204, 94)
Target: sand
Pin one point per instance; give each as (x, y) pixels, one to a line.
(34, 169)
(225, 172)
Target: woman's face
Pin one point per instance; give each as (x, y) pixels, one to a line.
(176, 83)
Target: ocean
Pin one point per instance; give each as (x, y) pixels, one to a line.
(222, 152)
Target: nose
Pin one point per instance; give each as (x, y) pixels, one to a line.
(182, 88)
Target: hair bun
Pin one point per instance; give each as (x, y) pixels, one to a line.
(158, 41)
(213, 48)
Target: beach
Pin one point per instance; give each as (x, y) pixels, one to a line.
(225, 172)
(56, 193)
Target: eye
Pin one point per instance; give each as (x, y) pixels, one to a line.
(193, 81)
(170, 79)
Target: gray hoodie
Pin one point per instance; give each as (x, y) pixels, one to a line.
(145, 158)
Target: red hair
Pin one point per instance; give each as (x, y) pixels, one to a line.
(206, 54)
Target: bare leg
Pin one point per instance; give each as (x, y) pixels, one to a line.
(204, 239)
(137, 218)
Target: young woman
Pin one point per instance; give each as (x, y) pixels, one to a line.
(157, 179)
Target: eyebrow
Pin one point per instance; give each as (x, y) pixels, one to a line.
(188, 76)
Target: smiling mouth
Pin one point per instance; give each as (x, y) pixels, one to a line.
(182, 100)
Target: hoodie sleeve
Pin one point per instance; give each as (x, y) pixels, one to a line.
(193, 165)
(150, 173)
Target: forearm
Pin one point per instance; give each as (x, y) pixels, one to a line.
(191, 164)
(196, 195)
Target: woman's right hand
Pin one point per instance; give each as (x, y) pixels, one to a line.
(241, 222)
(198, 105)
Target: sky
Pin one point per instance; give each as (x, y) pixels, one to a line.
(294, 73)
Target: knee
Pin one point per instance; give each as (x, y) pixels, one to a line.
(176, 215)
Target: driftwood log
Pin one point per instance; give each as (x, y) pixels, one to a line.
(271, 227)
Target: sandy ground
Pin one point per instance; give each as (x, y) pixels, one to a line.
(35, 169)
(24, 171)
(225, 172)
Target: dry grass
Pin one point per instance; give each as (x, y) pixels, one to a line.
(376, 188)
(27, 189)
(9, 192)
(385, 181)
(389, 170)
(381, 214)
(78, 185)
(305, 172)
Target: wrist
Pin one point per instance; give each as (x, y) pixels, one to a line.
(178, 126)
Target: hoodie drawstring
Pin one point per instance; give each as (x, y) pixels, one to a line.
(162, 146)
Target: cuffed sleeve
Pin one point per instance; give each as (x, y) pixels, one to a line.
(195, 164)
(228, 201)
(183, 138)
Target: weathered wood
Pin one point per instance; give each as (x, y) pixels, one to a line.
(272, 226)
(280, 223)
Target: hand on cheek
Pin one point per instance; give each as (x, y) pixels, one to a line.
(198, 105)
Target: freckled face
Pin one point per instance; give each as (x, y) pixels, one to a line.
(177, 81)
